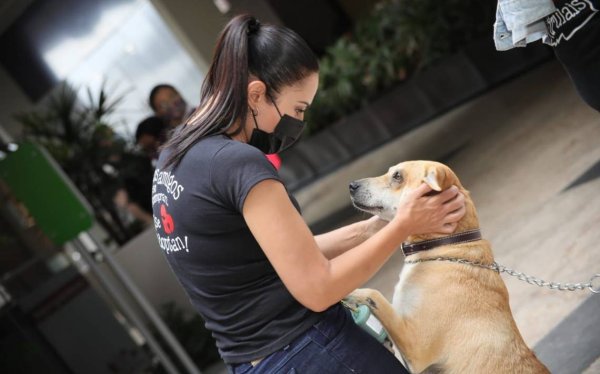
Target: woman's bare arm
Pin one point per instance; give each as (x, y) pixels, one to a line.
(338, 241)
(311, 278)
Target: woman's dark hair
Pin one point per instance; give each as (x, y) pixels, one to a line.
(154, 91)
(276, 55)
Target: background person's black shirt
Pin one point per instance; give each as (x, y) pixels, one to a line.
(201, 230)
(136, 174)
(574, 32)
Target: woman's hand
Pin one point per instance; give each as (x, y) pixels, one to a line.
(420, 214)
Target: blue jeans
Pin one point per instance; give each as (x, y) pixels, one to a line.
(333, 345)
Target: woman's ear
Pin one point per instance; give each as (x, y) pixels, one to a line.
(257, 91)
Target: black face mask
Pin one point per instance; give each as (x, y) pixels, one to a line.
(286, 133)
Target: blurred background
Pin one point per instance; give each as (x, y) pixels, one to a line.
(90, 88)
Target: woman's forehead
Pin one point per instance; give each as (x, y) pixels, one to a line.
(305, 87)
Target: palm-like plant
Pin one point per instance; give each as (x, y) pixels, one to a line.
(80, 139)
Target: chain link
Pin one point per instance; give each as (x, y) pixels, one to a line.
(520, 276)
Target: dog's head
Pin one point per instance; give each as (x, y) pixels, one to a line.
(380, 195)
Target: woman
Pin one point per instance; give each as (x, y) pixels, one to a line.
(267, 288)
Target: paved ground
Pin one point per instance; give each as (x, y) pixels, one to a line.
(529, 153)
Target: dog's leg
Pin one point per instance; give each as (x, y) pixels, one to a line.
(397, 329)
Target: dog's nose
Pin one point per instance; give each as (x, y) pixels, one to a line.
(353, 186)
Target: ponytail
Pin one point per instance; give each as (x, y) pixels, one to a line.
(274, 54)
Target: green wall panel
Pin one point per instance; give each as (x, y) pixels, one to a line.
(40, 184)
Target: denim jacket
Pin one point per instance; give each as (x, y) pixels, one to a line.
(519, 22)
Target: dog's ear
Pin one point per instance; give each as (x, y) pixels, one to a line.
(434, 177)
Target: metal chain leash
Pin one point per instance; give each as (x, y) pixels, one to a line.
(520, 276)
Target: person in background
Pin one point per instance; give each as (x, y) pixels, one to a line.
(574, 32)
(136, 170)
(135, 173)
(167, 103)
(268, 289)
(150, 134)
(571, 27)
(126, 175)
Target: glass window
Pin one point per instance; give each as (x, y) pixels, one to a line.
(138, 54)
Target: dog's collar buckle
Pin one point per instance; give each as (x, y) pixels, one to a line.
(462, 237)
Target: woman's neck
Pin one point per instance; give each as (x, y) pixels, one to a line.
(240, 136)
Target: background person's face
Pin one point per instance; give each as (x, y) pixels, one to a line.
(170, 105)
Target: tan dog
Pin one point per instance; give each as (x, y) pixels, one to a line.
(446, 317)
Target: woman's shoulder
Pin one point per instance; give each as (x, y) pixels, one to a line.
(219, 146)
(222, 151)
(226, 149)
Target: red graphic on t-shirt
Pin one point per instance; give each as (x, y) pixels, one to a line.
(167, 220)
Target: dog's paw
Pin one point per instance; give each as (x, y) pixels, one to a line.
(361, 296)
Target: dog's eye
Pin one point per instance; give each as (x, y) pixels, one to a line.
(397, 176)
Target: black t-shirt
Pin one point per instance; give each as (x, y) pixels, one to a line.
(574, 32)
(205, 239)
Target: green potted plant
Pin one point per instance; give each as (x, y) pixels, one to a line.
(398, 39)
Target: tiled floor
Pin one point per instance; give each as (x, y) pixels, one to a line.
(518, 149)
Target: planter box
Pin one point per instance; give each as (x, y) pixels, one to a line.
(495, 66)
(450, 82)
(403, 108)
(295, 170)
(360, 132)
(316, 156)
